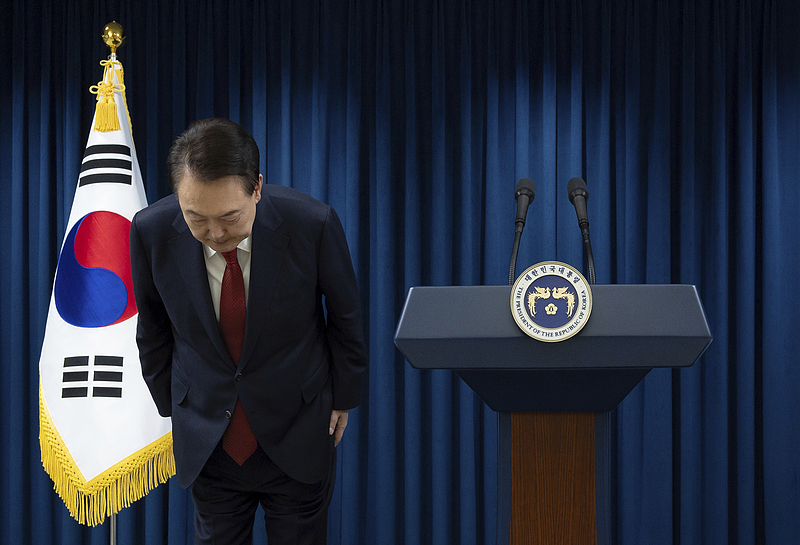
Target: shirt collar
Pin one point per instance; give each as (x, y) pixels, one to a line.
(243, 245)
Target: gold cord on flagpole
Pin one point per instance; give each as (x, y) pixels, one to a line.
(106, 119)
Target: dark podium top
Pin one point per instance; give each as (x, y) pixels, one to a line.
(632, 329)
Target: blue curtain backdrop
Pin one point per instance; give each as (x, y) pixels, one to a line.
(415, 119)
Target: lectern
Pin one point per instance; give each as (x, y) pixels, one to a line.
(553, 399)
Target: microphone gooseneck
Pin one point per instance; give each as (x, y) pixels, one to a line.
(524, 195)
(578, 195)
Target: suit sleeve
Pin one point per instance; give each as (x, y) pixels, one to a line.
(154, 329)
(344, 324)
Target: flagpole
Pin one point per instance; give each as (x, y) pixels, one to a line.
(113, 38)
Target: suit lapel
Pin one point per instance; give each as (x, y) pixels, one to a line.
(268, 252)
(187, 255)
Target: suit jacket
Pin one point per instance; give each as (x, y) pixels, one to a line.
(299, 360)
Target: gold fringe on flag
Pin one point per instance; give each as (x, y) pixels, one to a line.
(106, 119)
(90, 502)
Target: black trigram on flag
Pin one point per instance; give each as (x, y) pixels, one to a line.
(106, 163)
(79, 377)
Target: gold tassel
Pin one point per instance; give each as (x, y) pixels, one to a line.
(106, 119)
(90, 502)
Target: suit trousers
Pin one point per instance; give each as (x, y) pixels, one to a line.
(226, 497)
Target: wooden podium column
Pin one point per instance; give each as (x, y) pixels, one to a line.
(553, 478)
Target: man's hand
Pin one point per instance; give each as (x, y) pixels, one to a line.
(338, 424)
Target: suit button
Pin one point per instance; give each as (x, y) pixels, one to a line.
(228, 415)
(238, 377)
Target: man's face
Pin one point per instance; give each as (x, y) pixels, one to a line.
(220, 213)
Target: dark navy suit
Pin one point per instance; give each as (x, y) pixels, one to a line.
(297, 363)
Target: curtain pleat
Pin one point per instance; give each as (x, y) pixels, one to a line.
(415, 120)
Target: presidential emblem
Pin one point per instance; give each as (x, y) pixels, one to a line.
(551, 301)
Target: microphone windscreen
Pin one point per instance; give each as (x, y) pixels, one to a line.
(525, 186)
(576, 186)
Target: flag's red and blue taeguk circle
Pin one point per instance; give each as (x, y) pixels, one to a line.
(93, 286)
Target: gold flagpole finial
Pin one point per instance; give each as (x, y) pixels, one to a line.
(106, 110)
(112, 36)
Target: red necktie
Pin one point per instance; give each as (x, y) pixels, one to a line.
(238, 439)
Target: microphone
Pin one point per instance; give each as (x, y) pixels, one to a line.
(523, 194)
(578, 195)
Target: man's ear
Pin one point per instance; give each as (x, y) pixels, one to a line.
(257, 192)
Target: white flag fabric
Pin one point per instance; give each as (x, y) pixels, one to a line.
(102, 440)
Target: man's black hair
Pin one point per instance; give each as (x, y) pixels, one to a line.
(211, 149)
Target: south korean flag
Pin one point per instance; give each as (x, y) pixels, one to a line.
(103, 442)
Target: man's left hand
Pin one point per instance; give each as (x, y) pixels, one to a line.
(338, 424)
